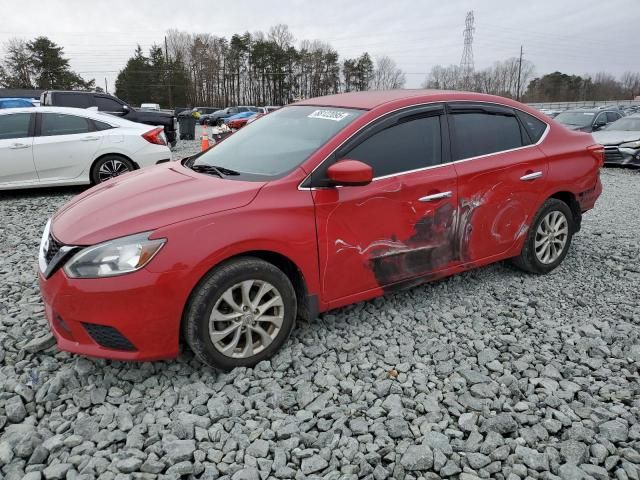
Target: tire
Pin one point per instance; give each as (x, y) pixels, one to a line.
(115, 164)
(241, 322)
(543, 260)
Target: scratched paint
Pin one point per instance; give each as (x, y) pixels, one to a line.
(440, 238)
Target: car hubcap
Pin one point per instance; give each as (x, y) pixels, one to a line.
(112, 168)
(246, 319)
(551, 237)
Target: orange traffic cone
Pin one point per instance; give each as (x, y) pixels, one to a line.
(205, 140)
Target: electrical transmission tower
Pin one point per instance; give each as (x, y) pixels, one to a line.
(466, 62)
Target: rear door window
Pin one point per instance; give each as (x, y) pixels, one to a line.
(59, 124)
(480, 133)
(612, 117)
(14, 125)
(535, 128)
(77, 100)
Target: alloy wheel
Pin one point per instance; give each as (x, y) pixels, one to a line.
(551, 237)
(246, 319)
(112, 168)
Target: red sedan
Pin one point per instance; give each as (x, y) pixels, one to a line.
(324, 203)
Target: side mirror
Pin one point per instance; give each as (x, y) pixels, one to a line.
(600, 124)
(125, 109)
(350, 173)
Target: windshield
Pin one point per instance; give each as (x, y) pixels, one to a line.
(575, 119)
(279, 142)
(628, 124)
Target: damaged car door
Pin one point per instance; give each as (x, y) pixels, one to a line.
(399, 227)
(501, 175)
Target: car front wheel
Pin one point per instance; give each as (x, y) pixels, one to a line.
(548, 239)
(240, 314)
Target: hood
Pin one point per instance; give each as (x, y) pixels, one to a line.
(146, 200)
(615, 137)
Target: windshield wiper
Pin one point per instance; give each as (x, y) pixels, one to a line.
(212, 169)
(208, 169)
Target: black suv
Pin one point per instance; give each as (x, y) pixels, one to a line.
(587, 119)
(113, 105)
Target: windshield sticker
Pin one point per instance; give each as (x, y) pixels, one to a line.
(334, 115)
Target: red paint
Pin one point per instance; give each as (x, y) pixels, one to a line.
(350, 243)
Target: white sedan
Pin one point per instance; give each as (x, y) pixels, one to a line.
(47, 146)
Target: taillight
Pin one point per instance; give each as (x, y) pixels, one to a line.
(155, 136)
(598, 153)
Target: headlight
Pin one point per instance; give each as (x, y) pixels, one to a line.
(635, 144)
(115, 257)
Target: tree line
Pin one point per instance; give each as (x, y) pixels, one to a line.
(250, 68)
(38, 64)
(272, 69)
(510, 78)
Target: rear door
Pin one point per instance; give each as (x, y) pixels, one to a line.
(501, 175)
(64, 146)
(401, 226)
(16, 149)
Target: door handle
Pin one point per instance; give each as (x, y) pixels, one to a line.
(530, 176)
(90, 139)
(18, 146)
(436, 196)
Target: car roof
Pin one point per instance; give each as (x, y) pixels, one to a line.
(590, 110)
(82, 112)
(371, 99)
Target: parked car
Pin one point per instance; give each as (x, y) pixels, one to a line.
(587, 119)
(45, 146)
(113, 105)
(254, 118)
(621, 140)
(238, 123)
(312, 208)
(15, 103)
(201, 111)
(239, 120)
(217, 117)
(150, 106)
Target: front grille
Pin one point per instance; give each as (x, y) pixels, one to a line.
(108, 337)
(54, 248)
(612, 154)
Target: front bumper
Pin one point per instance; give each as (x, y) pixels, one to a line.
(622, 156)
(129, 317)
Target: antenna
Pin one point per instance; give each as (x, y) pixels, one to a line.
(466, 62)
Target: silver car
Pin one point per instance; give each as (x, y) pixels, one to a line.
(621, 141)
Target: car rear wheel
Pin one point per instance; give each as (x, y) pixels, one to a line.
(548, 239)
(110, 166)
(240, 314)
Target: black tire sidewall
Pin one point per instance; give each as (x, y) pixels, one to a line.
(95, 178)
(548, 207)
(212, 287)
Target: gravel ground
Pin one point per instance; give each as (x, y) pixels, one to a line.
(492, 373)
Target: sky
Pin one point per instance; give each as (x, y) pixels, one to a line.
(572, 36)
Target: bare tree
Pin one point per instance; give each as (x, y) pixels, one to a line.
(18, 65)
(387, 75)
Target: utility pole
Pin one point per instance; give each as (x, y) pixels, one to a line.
(166, 55)
(105, 85)
(519, 72)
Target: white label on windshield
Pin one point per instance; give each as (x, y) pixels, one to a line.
(334, 115)
(589, 113)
